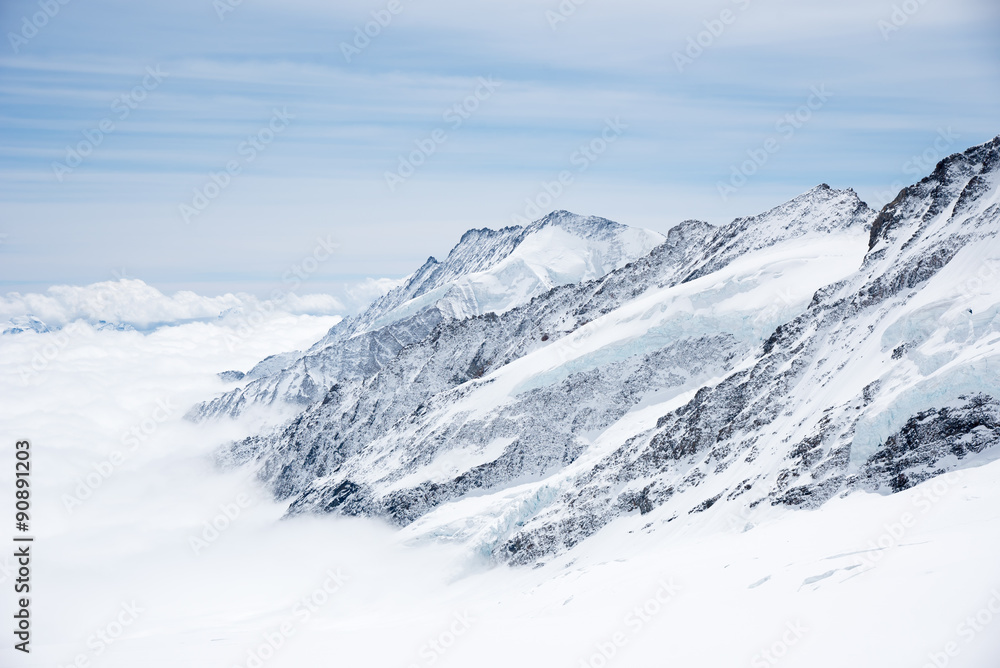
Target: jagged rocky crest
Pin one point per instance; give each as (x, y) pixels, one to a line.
(488, 271)
(818, 349)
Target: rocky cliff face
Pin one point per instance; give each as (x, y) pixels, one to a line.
(817, 349)
(487, 272)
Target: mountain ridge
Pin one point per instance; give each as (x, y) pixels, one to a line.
(777, 361)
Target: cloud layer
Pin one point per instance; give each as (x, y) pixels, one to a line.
(133, 302)
(169, 138)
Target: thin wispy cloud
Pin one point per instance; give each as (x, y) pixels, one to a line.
(698, 85)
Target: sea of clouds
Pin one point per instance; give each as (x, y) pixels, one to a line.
(132, 302)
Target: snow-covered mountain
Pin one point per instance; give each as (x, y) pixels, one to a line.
(487, 272)
(544, 381)
(494, 271)
(25, 323)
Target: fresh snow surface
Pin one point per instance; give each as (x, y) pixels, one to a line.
(750, 445)
(747, 299)
(866, 580)
(814, 350)
(494, 271)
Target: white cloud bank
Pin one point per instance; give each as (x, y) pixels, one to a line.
(133, 302)
(147, 555)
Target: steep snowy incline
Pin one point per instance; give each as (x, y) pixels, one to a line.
(494, 271)
(812, 351)
(487, 272)
(493, 402)
(888, 379)
(822, 210)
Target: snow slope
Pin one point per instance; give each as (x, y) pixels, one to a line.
(781, 360)
(548, 378)
(779, 432)
(488, 271)
(844, 584)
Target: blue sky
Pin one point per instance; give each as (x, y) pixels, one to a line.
(164, 95)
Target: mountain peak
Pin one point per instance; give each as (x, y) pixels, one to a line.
(495, 270)
(825, 191)
(800, 370)
(820, 209)
(592, 227)
(961, 177)
(26, 323)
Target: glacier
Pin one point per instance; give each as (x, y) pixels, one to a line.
(795, 413)
(543, 382)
